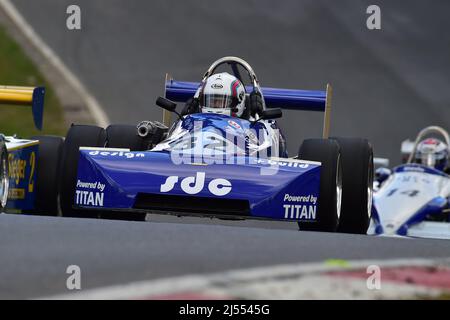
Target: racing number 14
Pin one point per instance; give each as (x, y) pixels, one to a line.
(410, 193)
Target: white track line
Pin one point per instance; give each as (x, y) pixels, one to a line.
(237, 278)
(92, 104)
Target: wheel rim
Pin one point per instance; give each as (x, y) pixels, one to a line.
(4, 184)
(338, 187)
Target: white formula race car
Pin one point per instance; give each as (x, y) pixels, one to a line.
(413, 199)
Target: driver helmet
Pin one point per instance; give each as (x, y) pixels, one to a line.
(222, 93)
(432, 153)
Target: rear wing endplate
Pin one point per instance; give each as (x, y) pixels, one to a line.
(27, 96)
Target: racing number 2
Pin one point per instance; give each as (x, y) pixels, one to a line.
(32, 169)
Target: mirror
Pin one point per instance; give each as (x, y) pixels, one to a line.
(166, 104)
(271, 114)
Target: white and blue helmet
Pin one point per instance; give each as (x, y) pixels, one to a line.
(433, 153)
(222, 93)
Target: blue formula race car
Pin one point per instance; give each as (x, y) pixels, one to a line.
(230, 164)
(29, 167)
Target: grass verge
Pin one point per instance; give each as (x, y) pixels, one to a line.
(18, 70)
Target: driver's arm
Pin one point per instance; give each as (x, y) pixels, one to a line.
(256, 104)
(191, 106)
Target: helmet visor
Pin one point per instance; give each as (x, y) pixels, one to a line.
(431, 159)
(428, 159)
(217, 101)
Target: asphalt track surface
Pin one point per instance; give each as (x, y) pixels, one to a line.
(388, 84)
(112, 252)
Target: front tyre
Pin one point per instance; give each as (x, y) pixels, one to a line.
(330, 192)
(357, 183)
(77, 136)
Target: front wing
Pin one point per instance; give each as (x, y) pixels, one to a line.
(116, 179)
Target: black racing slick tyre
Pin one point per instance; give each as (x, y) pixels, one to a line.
(124, 136)
(329, 202)
(120, 136)
(47, 175)
(357, 185)
(77, 136)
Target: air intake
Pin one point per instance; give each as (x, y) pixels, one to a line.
(192, 204)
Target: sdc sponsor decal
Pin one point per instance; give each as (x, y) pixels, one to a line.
(195, 184)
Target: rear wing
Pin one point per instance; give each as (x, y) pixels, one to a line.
(289, 99)
(27, 96)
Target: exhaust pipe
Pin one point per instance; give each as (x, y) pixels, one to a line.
(144, 128)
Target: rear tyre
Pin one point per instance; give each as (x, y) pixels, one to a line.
(124, 136)
(48, 169)
(77, 136)
(357, 185)
(116, 136)
(329, 201)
